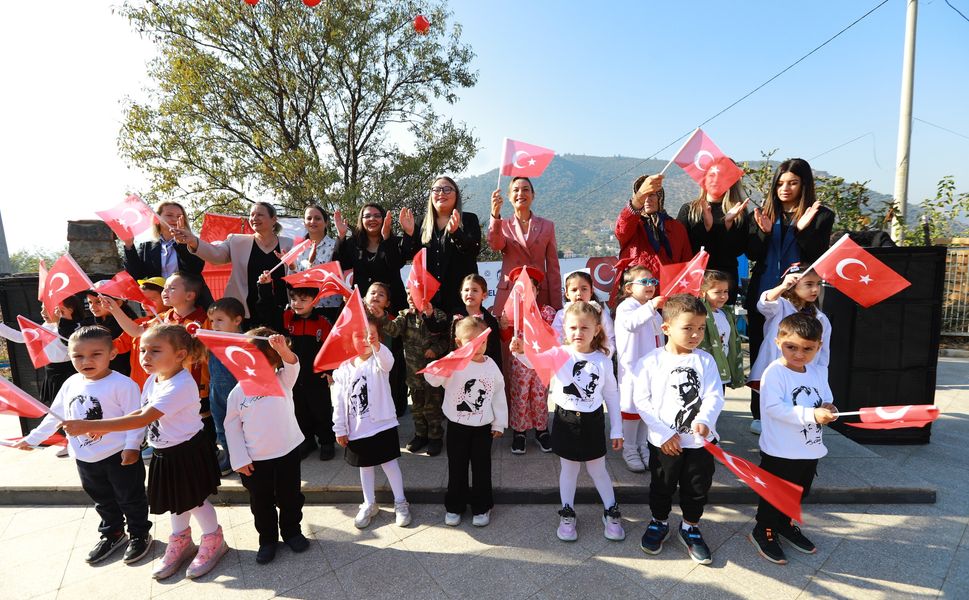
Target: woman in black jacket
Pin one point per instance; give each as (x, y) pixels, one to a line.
(162, 256)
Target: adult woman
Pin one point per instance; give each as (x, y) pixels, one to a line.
(792, 227)
(719, 225)
(317, 224)
(452, 239)
(249, 254)
(164, 255)
(524, 240)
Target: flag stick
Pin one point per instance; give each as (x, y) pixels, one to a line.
(281, 263)
(688, 140)
(504, 148)
(833, 247)
(226, 334)
(517, 308)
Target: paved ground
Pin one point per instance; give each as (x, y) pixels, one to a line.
(865, 550)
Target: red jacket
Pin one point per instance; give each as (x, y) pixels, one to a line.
(634, 243)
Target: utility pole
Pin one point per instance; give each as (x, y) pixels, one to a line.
(902, 151)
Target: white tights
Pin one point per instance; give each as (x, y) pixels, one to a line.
(368, 477)
(597, 471)
(205, 515)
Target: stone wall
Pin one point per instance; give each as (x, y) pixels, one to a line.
(93, 246)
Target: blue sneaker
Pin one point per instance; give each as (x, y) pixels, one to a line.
(656, 534)
(698, 549)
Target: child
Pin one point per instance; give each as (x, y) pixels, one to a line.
(377, 302)
(579, 389)
(721, 340)
(795, 402)
(225, 314)
(638, 332)
(475, 406)
(677, 392)
(264, 438)
(365, 423)
(183, 471)
(102, 316)
(124, 343)
(579, 286)
(422, 334)
(797, 291)
(474, 290)
(109, 466)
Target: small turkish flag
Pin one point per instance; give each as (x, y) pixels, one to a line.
(216, 227)
(124, 286)
(130, 218)
(458, 360)
(683, 278)
(244, 360)
(54, 440)
(421, 284)
(327, 276)
(782, 494)
(603, 271)
(41, 278)
(897, 417)
(36, 338)
(707, 165)
(524, 160)
(64, 279)
(857, 274)
(540, 342)
(339, 346)
(15, 401)
(295, 251)
(546, 364)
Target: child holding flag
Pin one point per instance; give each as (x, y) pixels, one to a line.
(721, 339)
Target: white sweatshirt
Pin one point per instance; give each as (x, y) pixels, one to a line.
(558, 324)
(262, 427)
(674, 392)
(107, 398)
(475, 396)
(178, 401)
(787, 403)
(363, 405)
(639, 331)
(773, 313)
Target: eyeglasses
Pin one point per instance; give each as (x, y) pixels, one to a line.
(647, 281)
(368, 216)
(445, 189)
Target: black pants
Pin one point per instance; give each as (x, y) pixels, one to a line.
(755, 333)
(398, 377)
(314, 411)
(691, 471)
(275, 483)
(118, 493)
(800, 471)
(466, 444)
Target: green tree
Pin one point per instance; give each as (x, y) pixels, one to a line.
(25, 260)
(945, 215)
(852, 204)
(293, 104)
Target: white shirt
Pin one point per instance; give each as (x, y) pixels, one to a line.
(361, 392)
(169, 258)
(787, 403)
(773, 313)
(263, 427)
(107, 398)
(673, 392)
(558, 324)
(639, 330)
(475, 396)
(723, 329)
(177, 399)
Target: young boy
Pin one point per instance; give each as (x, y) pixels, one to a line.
(795, 401)
(477, 412)
(677, 392)
(109, 466)
(225, 314)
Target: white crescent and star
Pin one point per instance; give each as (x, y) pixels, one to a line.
(519, 154)
(230, 354)
(745, 472)
(892, 415)
(55, 277)
(124, 223)
(30, 335)
(599, 279)
(698, 156)
(839, 269)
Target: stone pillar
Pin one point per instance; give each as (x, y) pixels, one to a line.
(93, 246)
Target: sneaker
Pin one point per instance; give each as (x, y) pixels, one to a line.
(697, 548)
(180, 548)
(544, 440)
(327, 451)
(566, 531)
(518, 443)
(416, 444)
(792, 533)
(755, 427)
(452, 519)
(146, 453)
(266, 553)
(656, 534)
(137, 548)
(402, 513)
(298, 543)
(765, 540)
(211, 550)
(612, 521)
(365, 515)
(435, 446)
(634, 462)
(105, 547)
(481, 520)
(225, 467)
(62, 453)
(643, 452)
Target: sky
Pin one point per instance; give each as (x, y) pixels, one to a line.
(626, 78)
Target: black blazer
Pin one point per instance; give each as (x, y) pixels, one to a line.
(451, 258)
(144, 260)
(385, 266)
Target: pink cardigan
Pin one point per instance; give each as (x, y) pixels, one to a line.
(537, 250)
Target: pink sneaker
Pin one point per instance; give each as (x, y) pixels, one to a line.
(612, 520)
(566, 531)
(211, 549)
(180, 547)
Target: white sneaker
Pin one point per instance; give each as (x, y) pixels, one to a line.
(755, 427)
(62, 452)
(452, 519)
(644, 454)
(365, 515)
(402, 513)
(481, 520)
(633, 461)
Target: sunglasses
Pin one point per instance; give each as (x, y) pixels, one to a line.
(647, 281)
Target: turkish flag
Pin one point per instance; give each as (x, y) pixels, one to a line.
(328, 277)
(295, 251)
(857, 274)
(603, 271)
(782, 494)
(339, 346)
(458, 360)
(547, 363)
(524, 160)
(897, 417)
(55, 440)
(130, 218)
(244, 360)
(216, 228)
(683, 278)
(421, 284)
(707, 165)
(15, 401)
(41, 278)
(63, 279)
(124, 286)
(540, 342)
(36, 338)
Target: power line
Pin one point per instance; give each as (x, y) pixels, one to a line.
(942, 128)
(874, 154)
(957, 10)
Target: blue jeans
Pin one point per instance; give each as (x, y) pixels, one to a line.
(221, 383)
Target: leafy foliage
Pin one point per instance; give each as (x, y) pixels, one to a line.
(25, 260)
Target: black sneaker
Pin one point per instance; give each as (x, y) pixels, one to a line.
(266, 553)
(298, 543)
(544, 440)
(698, 549)
(416, 444)
(518, 443)
(792, 533)
(765, 540)
(105, 547)
(434, 447)
(137, 548)
(656, 534)
(306, 449)
(327, 451)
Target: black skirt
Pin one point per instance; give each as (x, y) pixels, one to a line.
(182, 477)
(579, 436)
(374, 450)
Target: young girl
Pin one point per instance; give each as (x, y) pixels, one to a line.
(183, 472)
(474, 290)
(264, 440)
(579, 389)
(578, 286)
(365, 423)
(720, 338)
(378, 303)
(638, 332)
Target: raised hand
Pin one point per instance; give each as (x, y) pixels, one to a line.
(183, 234)
(762, 220)
(808, 216)
(264, 278)
(496, 202)
(733, 213)
(651, 185)
(340, 224)
(406, 220)
(454, 222)
(388, 221)
(707, 214)
(790, 280)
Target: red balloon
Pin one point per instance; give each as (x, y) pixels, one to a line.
(421, 24)
(251, 2)
(311, 3)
